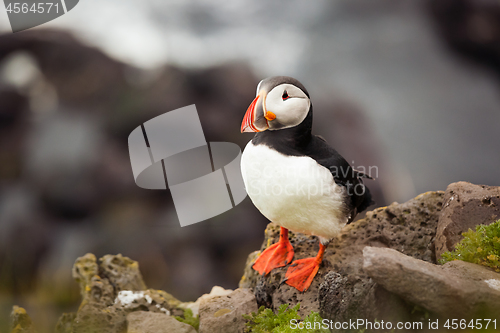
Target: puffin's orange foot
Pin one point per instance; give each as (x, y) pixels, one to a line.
(301, 273)
(276, 255)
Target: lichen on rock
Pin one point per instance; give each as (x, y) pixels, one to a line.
(20, 321)
(65, 323)
(111, 288)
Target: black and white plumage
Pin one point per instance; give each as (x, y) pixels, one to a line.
(293, 177)
(296, 179)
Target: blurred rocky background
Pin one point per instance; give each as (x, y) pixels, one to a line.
(409, 87)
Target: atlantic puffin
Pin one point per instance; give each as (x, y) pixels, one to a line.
(294, 178)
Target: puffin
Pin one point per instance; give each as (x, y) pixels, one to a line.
(296, 179)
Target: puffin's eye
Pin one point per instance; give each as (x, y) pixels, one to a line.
(285, 95)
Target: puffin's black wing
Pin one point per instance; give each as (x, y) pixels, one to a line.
(343, 174)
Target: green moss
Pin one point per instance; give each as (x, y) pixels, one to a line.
(266, 321)
(189, 319)
(479, 247)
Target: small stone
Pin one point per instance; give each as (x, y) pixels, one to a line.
(216, 291)
(225, 313)
(150, 322)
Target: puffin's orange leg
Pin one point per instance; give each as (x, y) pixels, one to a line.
(276, 255)
(301, 272)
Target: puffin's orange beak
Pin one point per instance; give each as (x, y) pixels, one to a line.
(256, 118)
(248, 120)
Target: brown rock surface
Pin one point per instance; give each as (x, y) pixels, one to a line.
(465, 206)
(224, 313)
(151, 322)
(457, 289)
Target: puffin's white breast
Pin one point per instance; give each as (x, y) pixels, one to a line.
(293, 191)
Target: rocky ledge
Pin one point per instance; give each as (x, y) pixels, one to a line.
(382, 267)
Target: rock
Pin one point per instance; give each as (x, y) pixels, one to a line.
(91, 319)
(149, 300)
(457, 289)
(341, 289)
(465, 206)
(248, 280)
(216, 291)
(224, 313)
(98, 292)
(65, 323)
(122, 272)
(100, 283)
(20, 321)
(84, 269)
(342, 297)
(111, 289)
(150, 322)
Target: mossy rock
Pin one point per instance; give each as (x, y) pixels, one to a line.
(20, 321)
(101, 282)
(481, 247)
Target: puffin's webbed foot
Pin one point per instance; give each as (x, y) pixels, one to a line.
(276, 255)
(301, 272)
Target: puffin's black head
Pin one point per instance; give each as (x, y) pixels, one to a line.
(281, 102)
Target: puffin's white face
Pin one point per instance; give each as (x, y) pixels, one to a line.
(276, 107)
(290, 105)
